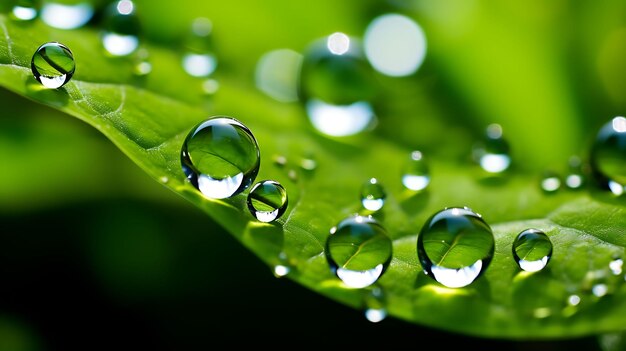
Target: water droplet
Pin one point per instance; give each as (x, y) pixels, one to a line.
(608, 156)
(550, 182)
(373, 195)
(24, 10)
(493, 153)
(279, 160)
(293, 175)
(308, 164)
(281, 270)
(358, 250)
(142, 66)
(575, 178)
(121, 28)
(337, 86)
(62, 15)
(210, 86)
(220, 157)
(199, 59)
(164, 179)
(616, 265)
(601, 282)
(416, 174)
(455, 246)
(375, 305)
(395, 45)
(53, 65)
(267, 200)
(276, 74)
(532, 250)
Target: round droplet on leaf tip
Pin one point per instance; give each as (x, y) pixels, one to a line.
(53, 65)
(267, 200)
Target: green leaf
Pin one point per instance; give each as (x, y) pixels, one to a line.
(148, 118)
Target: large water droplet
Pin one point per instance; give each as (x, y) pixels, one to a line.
(64, 15)
(25, 10)
(337, 86)
(199, 59)
(267, 200)
(358, 251)
(455, 246)
(493, 153)
(373, 195)
(395, 45)
(220, 157)
(53, 65)
(532, 250)
(608, 156)
(121, 28)
(416, 174)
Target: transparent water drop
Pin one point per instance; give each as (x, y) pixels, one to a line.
(375, 305)
(53, 65)
(358, 251)
(455, 246)
(67, 15)
(199, 59)
(25, 10)
(220, 157)
(267, 200)
(373, 195)
(601, 282)
(532, 250)
(608, 156)
(395, 45)
(575, 178)
(493, 153)
(308, 163)
(121, 28)
(210, 86)
(416, 174)
(164, 179)
(616, 265)
(142, 66)
(276, 74)
(283, 267)
(550, 182)
(337, 86)
(279, 160)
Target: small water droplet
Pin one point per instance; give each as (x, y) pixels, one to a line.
(267, 200)
(53, 65)
(279, 160)
(293, 175)
(493, 153)
(601, 282)
(416, 174)
(373, 195)
(199, 59)
(455, 246)
(308, 164)
(220, 157)
(608, 156)
(121, 28)
(337, 86)
(573, 300)
(24, 10)
(532, 250)
(63, 15)
(375, 305)
(276, 74)
(616, 265)
(358, 251)
(210, 86)
(550, 182)
(283, 267)
(575, 178)
(142, 66)
(164, 179)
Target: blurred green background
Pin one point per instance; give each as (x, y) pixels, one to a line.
(95, 254)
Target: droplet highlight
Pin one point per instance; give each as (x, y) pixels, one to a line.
(267, 200)
(276, 74)
(375, 303)
(220, 157)
(65, 15)
(532, 250)
(493, 153)
(121, 28)
(576, 177)
(416, 173)
(395, 45)
(53, 65)
(373, 195)
(358, 251)
(608, 156)
(24, 10)
(550, 182)
(337, 86)
(455, 246)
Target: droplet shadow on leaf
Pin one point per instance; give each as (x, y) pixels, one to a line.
(494, 180)
(414, 202)
(267, 238)
(54, 97)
